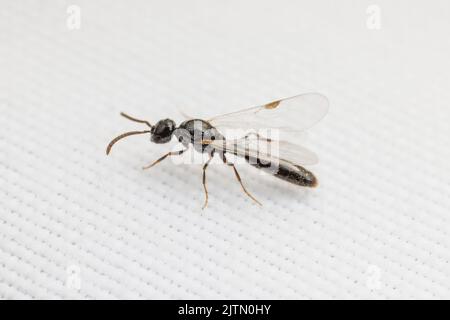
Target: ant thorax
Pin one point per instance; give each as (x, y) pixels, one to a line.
(196, 132)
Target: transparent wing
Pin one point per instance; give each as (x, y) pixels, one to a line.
(267, 150)
(184, 114)
(290, 115)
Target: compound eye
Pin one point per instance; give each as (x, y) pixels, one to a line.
(161, 130)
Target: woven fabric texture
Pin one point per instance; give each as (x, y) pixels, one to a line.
(75, 223)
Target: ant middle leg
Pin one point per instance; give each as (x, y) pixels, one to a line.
(204, 179)
(175, 153)
(238, 177)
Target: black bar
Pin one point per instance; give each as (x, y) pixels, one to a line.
(215, 309)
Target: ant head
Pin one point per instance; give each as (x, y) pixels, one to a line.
(162, 131)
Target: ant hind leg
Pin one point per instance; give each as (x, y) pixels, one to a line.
(238, 177)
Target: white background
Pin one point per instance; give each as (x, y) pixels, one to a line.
(77, 224)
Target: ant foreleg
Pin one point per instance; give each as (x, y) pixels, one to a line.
(176, 153)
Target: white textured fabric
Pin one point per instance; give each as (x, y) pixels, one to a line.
(77, 224)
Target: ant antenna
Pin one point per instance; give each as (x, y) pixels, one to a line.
(115, 140)
(127, 134)
(136, 120)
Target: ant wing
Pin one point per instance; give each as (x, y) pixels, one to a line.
(294, 114)
(184, 115)
(269, 151)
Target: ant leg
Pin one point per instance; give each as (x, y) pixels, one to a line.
(204, 181)
(176, 153)
(238, 177)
